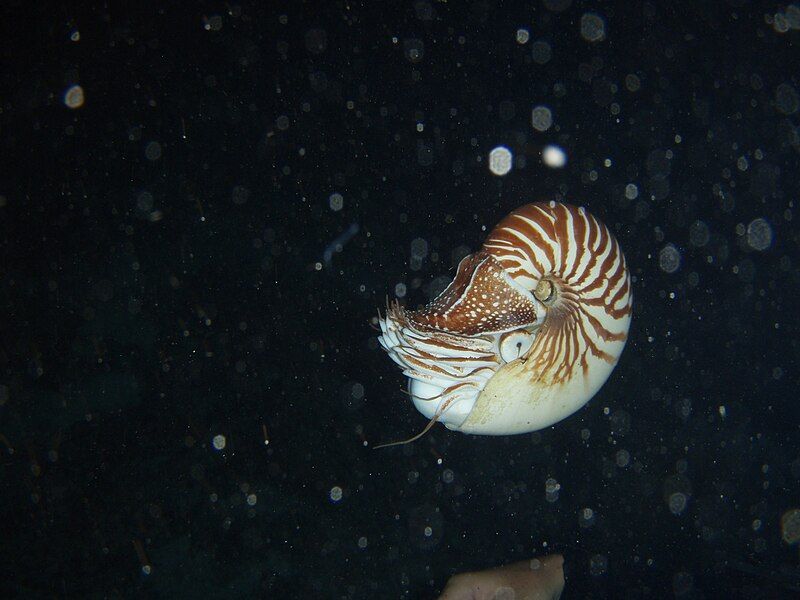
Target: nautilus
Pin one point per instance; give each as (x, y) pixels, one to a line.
(527, 332)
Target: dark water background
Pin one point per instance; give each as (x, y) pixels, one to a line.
(164, 283)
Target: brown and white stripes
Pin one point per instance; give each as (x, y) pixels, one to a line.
(570, 247)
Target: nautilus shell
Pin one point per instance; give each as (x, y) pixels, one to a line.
(528, 331)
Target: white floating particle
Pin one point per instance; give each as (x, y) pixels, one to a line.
(541, 118)
(677, 502)
(699, 234)
(669, 259)
(357, 391)
(212, 23)
(554, 156)
(598, 565)
(219, 441)
(500, 160)
(152, 151)
(419, 248)
(593, 28)
(790, 526)
(759, 234)
(74, 97)
(336, 493)
(336, 201)
(523, 35)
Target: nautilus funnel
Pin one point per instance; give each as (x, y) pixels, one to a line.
(527, 332)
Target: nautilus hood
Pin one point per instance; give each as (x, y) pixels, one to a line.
(480, 299)
(528, 331)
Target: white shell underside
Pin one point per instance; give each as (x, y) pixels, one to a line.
(516, 400)
(492, 396)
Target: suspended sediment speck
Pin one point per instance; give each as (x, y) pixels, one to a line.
(759, 234)
(541, 118)
(74, 97)
(669, 259)
(554, 157)
(335, 494)
(500, 160)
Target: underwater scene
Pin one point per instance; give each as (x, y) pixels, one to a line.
(424, 299)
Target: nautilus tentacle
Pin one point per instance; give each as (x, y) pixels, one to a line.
(528, 331)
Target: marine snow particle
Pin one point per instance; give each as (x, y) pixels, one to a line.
(74, 97)
(541, 118)
(593, 28)
(586, 517)
(554, 156)
(212, 23)
(419, 248)
(336, 493)
(598, 565)
(787, 100)
(414, 49)
(500, 160)
(759, 234)
(677, 502)
(669, 259)
(631, 191)
(790, 526)
(541, 52)
(699, 234)
(632, 82)
(336, 201)
(152, 151)
(240, 194)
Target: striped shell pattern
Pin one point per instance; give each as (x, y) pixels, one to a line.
(528, 331)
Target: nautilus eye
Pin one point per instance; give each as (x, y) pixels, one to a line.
(527, 332)
(515, 345)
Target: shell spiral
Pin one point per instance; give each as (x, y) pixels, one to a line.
(528, 331)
